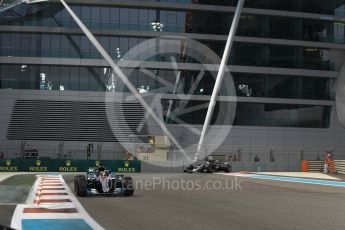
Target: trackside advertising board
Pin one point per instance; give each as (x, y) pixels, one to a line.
(51, 165)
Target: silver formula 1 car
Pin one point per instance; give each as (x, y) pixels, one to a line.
(100, 181)
(209, 167)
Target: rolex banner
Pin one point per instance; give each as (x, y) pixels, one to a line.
(51, 165)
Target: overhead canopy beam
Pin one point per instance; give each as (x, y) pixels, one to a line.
(7, 6)
(123, 78)
(219, 78)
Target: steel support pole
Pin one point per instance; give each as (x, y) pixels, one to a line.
(123, 78)
(220, 76)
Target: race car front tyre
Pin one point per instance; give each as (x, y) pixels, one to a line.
(80, 185)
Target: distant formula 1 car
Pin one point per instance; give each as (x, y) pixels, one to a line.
(102, 182)
(209, 167)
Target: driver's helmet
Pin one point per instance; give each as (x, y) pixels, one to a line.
(101, 170)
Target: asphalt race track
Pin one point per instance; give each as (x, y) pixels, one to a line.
(6, 212)
(255, 204)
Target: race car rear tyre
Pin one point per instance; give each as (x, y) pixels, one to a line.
(80, 185)
(128, 182)
(128, 192)
(128, 186)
